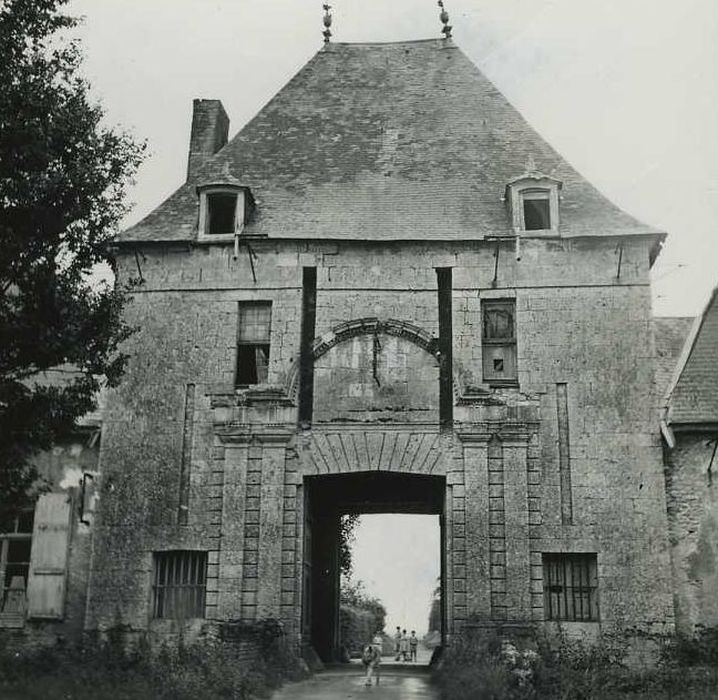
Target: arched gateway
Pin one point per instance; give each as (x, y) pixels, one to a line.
(286, 489)
(341, 309)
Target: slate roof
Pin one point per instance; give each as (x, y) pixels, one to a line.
(387, 141)
(670, 334)
(693, 397)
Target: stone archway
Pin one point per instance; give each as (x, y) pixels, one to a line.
(368, 326)
(327, 498)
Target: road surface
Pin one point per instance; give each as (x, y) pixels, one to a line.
(396, 684)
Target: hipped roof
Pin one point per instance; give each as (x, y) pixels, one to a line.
(387, 142)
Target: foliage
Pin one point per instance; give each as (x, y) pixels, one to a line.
(435, 610)
(356, 628)
(479, 665)
(697, 650)
(353, 594)
(63, 177)
(360, 615)
(473, 668)
(106, 669)
(347, 530)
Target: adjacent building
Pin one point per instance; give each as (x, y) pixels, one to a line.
(690, 428)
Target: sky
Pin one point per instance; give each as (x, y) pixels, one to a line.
(625, 90)
(398, 559)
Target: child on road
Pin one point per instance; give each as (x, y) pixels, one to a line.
(371, 658)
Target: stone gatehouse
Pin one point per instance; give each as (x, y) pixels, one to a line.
(385, 294)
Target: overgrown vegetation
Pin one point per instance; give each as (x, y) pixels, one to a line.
(481, 666)
(360, 616)
(108, 670)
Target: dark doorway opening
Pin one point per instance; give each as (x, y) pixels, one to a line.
(327, 499)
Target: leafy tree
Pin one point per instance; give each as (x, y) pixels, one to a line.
(347, 530)
(63, 176)
(353, 595)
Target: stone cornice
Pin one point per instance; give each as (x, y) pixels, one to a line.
(474, 436)
(261, 395)
(244, 434)
(514, 434)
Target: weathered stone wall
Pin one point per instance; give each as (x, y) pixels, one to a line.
(692, 491)
(375, 378)
(578, 324)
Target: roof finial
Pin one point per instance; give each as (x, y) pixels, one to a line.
(531, 164)
(444, 17)
(327, 23)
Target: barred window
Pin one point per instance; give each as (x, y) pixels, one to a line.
(570, 585)
(180, 584)
(253, 342)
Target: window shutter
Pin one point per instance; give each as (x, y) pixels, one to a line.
(48, 558)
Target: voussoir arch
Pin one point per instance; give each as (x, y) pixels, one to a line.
(364, 326)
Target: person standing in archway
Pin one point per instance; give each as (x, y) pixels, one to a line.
(413, 644)
(371, 657)
(404, 647)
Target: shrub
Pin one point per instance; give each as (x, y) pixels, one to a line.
(478, 666)
(697, 650)
(111, 668)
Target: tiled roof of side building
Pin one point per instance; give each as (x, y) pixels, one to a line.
(387, 141)
(694, 396)
(670, 333)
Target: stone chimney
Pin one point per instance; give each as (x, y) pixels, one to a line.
(210, 126)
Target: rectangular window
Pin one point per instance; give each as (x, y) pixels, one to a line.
(254, 324)
(498, 341)
(15, 545)
(536, 211)
(180, 584)
(570, 584)
(221, 209)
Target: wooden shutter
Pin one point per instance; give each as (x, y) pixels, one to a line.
(48, 558)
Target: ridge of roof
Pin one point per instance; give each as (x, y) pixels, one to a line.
(439, 41)
(377, 141)
(696, 403)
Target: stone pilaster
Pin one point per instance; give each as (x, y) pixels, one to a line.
(518, 560)
(476, 560)
(231, 543)
(270, 572)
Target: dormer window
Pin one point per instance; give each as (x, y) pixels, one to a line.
(533, 202)
(536, 210)
(223, 211)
